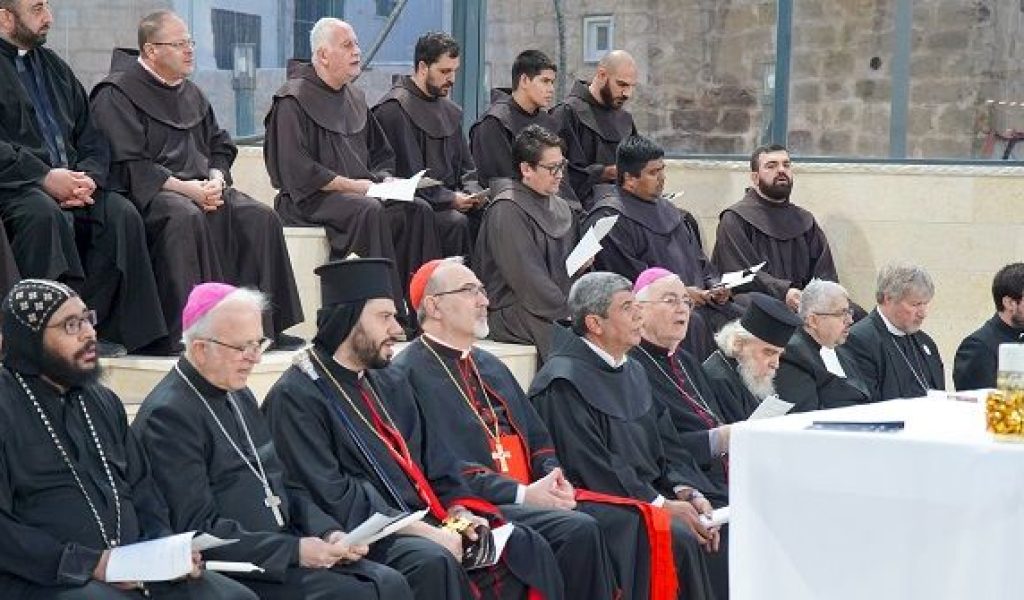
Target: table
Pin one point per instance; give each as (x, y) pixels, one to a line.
(933, 512)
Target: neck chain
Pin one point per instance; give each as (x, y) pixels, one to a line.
(700, 397)
(271, 501)
(109, 541)
(496, 434)
(906, 359)
(391, 423)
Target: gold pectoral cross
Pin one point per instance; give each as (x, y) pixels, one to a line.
(501, 455)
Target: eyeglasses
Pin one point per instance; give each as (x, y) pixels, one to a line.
(839, 314)
(254, 348)
(672, 301)
(470, 289)
(555, 169)
(177, 45)
(73, 325)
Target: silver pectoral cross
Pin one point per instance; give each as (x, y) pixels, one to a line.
(274, 504)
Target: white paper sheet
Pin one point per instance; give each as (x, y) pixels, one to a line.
(396, 189)
(738, 278)
(427, 182)
(379, 526)
(162, 559)
(226, 566)
(589, 245)
(719, 517)
(772, 406)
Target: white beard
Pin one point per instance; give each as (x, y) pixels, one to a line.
(481, 329)
(760, 387)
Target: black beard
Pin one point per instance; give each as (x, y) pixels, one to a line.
(435, 91)
(369, 354)
(24, 36)
(64, 372)
(608, 99)
(776, 191)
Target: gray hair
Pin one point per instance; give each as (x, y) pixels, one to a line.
(201, 329)
(434, 284)
(817, 295)
(592, 295)
(731, 336)
(321, 31)
(897, 280)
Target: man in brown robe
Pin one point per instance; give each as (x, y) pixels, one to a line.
(63, 222)
(527, 233)
(172, 158)
(424, 128)
(766, 226)
(592, 122)
(511, 111)
(654, 232)
(324, 149)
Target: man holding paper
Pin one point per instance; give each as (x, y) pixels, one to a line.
(654, 232)
(612, 438)
(350, 433)
(742, 370)
(425, 129)
(528, 231)
(214, 461)
(74, 481)
(324, 150)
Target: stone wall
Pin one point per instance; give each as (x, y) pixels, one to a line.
(706, 64)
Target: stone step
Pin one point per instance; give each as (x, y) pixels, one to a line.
(133, 377)
(308, 249)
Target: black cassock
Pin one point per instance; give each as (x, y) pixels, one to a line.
(492, 136)
(574, 537)
(734, 399)
(99, 250)
(52, 542)
(783, 234)
(660, 234)
(977, 357)
(592, 133)
(426, 133)
(315, 133)
(610, 437)
(157, 131)
(224, 497)
(678, 384)
(520, 258)
(895, 366)
(321, 441)
(804, 380)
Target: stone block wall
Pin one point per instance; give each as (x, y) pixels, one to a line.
(706, 64)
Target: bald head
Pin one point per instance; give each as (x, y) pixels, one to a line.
(615, 79)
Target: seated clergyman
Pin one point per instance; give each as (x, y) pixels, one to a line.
(201, 424)
(816, 371)
(74, 481)
(743, 368)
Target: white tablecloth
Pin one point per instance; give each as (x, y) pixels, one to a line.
(933, 512)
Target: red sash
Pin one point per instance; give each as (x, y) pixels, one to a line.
(664, 585)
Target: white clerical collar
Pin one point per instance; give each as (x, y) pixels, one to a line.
(158, 77)
(831, 360)
(892, 328)
(464, 354)
(22, 52)
(608, 358)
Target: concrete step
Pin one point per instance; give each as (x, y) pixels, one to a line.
(308, 249)
(133, 377)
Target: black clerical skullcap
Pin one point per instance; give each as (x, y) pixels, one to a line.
(353, 280)
(31, 302)
(769, 320)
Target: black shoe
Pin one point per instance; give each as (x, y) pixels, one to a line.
(288, 342)
(105, 349)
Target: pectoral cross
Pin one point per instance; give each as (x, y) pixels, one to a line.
(274, 504)
(501, 455)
